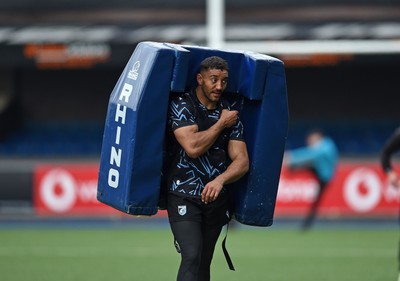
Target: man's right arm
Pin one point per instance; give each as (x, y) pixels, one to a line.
(196, 142)
(391, 146)
(302, 156)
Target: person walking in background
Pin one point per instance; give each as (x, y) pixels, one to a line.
(319, 156)
(209, 152)
(392, 146)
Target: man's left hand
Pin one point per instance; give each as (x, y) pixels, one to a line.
(211, 191)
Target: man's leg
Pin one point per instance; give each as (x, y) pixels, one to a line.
(315, 205)
(210, 238)
(188, 234)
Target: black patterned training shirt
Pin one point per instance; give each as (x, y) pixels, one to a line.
(188, 176)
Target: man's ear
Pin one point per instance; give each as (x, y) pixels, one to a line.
(199, 78)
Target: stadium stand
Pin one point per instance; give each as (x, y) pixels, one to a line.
(54, 140)
(108, 32)
(73, 139)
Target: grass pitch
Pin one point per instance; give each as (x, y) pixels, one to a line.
(148, 255)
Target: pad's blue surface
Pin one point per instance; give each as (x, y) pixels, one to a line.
(130, 169)
(131, 157)
(266, 123)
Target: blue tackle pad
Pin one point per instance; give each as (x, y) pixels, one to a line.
(131, 160)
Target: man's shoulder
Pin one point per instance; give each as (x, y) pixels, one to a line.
(182, 99)
(181, 107)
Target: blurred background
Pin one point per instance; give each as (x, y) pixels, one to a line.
(59, 61)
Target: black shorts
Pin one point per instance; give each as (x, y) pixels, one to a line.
(185, 208)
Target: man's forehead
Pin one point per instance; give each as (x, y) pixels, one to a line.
(217, 72)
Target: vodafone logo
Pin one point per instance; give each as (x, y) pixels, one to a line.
(297, 190)
(58, 190)
(67, 190)
(362, 190)
(358, 189)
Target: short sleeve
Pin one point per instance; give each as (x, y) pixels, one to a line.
(237, 131)
(180, 113)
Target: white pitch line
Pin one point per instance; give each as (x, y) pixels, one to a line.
(319, 253)
(84, 252)
(167, 251)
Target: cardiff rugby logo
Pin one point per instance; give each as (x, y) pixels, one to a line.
(182, 210)
(134, 72)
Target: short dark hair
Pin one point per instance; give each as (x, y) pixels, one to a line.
(213, 62)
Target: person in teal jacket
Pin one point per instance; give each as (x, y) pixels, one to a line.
(320, 156)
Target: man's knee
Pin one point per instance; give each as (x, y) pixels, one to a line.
(191, 257)
(190, 265)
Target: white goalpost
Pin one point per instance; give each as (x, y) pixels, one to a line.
(215, 37)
